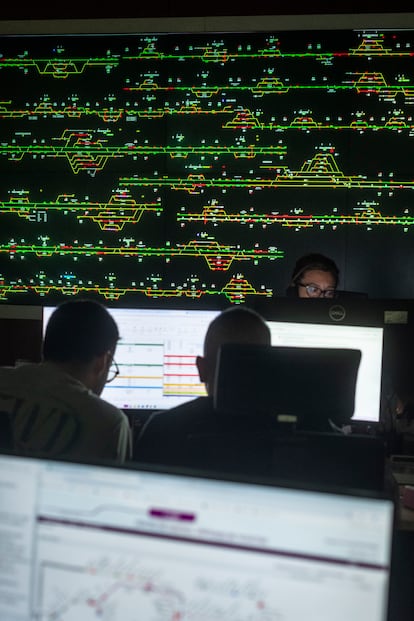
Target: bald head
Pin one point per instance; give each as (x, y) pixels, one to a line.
(237, 324)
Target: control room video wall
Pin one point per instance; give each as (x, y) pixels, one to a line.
(147, 168)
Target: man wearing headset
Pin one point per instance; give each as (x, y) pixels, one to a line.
(314, 276)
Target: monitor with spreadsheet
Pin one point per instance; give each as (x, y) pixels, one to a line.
(156, 356)
(88, 541)
(158, 347)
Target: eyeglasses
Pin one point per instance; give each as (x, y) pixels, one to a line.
(314, 291)
(113, 371)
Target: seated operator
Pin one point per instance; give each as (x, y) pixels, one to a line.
(54, 406)
(314, 276)
(164, 436)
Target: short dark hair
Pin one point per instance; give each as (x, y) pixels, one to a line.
(78, 331)
(235, 324)
(314, 261)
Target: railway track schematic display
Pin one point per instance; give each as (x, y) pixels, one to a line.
(149, 168)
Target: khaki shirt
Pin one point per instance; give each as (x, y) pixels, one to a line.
(55, 415)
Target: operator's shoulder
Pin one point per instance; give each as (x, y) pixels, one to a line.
(105, 409)
(186, 413)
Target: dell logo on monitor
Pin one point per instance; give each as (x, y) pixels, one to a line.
(337, 312)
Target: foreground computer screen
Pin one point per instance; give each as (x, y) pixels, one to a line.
(86, 542)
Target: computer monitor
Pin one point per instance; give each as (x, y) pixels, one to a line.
(158, 347)
(368, 339)
(156, 355)
(88, 541)
(312, 386)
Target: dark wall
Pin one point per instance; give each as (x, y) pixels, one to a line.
(168, 8)
(20, 339)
